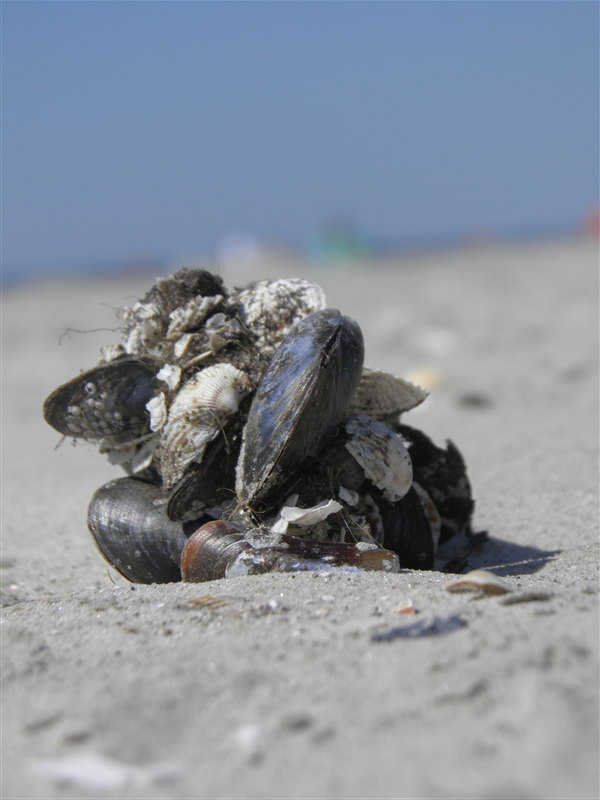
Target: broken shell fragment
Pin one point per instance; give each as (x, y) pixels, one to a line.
(478, 580)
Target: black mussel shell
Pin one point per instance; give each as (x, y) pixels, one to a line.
(301, 400)
(127, 519)
(107, 402)
(443, 475)
(407, 530)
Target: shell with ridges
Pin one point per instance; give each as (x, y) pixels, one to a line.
(197, 415)
(381, 395)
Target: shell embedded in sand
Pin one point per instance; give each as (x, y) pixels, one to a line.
(478, 580)
(381, 454)
(381, 395)
(196, 416)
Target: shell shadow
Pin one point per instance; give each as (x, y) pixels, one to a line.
(479, 551)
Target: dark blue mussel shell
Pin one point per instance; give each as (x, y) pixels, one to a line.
(127, 519)
(303, 397)
(105, 402)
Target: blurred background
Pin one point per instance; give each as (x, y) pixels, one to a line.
(138, 135)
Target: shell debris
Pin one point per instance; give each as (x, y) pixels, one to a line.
(478, 580)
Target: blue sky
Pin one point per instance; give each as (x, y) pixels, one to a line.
(139, 130)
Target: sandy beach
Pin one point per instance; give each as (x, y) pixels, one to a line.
(312, 685)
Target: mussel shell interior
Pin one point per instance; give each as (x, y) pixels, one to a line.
(107, 401)
(301, 400)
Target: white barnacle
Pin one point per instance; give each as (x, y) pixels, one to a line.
(157, 408)
(197, 414)
(171, 375)
(144, 326)
(381, 454)
(191, 316)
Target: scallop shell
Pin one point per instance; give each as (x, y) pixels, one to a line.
(381, 395)
(270, 309)
(196, 416)
(381, 454)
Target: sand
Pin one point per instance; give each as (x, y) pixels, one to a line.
(313, 685)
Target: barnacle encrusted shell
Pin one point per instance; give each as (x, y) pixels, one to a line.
(107, 402)
(381, 454)
(196, 416)
(314, 467)
(270, 309)
(174, 304)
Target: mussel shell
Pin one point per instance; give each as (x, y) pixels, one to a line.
(107, 402)
(211, 549)
(443, 475)
(223, 549)
(301, 400)
(127, 519)
(407, 530)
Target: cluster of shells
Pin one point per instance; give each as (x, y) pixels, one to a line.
(254, 439)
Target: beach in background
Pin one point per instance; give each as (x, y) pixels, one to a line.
(314, 685)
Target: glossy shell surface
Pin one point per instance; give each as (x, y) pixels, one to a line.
(301, 400)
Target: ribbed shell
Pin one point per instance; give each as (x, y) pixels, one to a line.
(381, 395)
(196, 416)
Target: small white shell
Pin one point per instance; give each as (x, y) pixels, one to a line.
(271, 308)
(381, 395)
(381, 454)
(478, 580)
(171, 375)
(197, 415)
(349, 496)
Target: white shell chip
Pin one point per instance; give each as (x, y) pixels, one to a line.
(304, 517)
